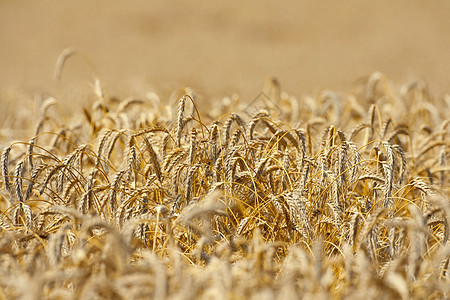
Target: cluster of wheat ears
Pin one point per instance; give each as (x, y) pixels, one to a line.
(332, 196)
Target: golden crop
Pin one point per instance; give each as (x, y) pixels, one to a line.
(331, 196)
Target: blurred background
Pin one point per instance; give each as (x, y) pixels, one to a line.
(219, 48)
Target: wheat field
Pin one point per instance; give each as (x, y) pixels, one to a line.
(339, 196)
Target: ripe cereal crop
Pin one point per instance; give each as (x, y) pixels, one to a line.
(329, 196)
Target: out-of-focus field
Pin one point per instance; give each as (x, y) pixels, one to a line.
(217, 48)
(223, 47)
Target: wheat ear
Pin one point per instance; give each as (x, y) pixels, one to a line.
(5, 159)
(181, 105)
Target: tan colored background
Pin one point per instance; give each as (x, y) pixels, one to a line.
(221, 47)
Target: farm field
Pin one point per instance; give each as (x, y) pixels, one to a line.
(138, 161)
(319, 197)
